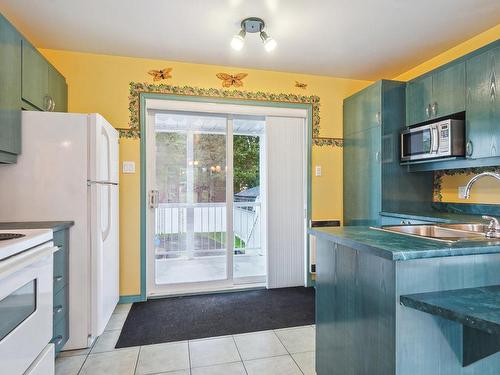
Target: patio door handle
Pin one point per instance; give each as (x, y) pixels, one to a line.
(154, 198)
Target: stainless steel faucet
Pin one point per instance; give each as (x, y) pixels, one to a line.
(477, 177)
(493, 227)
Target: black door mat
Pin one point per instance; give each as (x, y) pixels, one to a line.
(194, 317)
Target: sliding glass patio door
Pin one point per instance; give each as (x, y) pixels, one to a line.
(201, 235)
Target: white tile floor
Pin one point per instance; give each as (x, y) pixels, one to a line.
(286, 351)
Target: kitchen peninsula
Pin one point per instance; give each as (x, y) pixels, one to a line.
(363, 326)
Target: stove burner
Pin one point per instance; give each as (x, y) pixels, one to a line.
(10, 236)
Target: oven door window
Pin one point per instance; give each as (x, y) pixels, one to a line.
(17, 307)
(417, 143)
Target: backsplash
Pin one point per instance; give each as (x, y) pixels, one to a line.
(447, 182)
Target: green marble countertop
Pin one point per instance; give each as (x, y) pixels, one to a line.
(478, 308)
(54, 225)
(399, 247)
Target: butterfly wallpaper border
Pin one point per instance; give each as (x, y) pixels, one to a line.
(136, 88)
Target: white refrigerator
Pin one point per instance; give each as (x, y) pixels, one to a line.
(68, 170)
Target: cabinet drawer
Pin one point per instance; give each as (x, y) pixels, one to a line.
(60, 269)
(61, 334)
(60, 309)
(60, 238)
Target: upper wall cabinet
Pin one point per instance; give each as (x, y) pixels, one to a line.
(438, 94)
(43, 87)
(483, 105)
(418, 100)
(58, 91)
(35, 78)
(10, 92)
(364, 111)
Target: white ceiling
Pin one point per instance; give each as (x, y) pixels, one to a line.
(365, 39)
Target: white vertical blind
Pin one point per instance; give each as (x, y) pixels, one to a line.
(286, 161)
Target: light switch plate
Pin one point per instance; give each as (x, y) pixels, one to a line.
(128, 167)
(461, 192)
(318, 170)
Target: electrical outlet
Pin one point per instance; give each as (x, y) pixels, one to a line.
(128, 167)
(318, 170)
(461, 192)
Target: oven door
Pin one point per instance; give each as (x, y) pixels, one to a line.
(25, 307)
(419, 143)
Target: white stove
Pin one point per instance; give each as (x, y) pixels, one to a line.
(14, 241)
(26, 296)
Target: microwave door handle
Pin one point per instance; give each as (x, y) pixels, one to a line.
(435, 140)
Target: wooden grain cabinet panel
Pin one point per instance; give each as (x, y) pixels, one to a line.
(10, 92)
(483, 104)
(448, 91)
(418, 99)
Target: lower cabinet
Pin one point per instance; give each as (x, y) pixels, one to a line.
(61, 290)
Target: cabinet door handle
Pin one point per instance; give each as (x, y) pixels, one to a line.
(377, 156)
(47, 103)
(58, 309)
(434, 109)
(377, 118)
(428, 111)
(58, 278)
(57, 340)
(469, 149)
(53, 105)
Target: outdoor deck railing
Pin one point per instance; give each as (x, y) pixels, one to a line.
(199, 229)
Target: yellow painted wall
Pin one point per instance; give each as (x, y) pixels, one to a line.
(100, 83)
(487, 190)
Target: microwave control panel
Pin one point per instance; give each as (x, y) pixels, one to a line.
(444, 138)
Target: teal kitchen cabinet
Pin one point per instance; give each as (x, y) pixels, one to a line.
(58, 90)
(483, 104)
(35, 83)
(373, 179)
(364, 113)
(61, 289)
(418, 100)
(437, 94)
(10, 92)
(42, 85)
(362, 178)
(448, 90)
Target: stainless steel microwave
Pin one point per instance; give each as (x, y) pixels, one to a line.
(442, 139)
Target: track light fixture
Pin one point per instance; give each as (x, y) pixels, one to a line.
(253, 25)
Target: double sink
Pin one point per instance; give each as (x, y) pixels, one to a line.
(443, 232)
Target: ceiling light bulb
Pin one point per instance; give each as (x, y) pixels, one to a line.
(269, 43)
(238, 40)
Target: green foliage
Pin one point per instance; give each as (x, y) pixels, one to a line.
(246, 162)
(209, 172)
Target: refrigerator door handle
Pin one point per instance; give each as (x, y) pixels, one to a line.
(105, 232)
(90, 182)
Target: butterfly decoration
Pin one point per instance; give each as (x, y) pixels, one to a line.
(158, 75)
(301, 85)
(229, 80)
